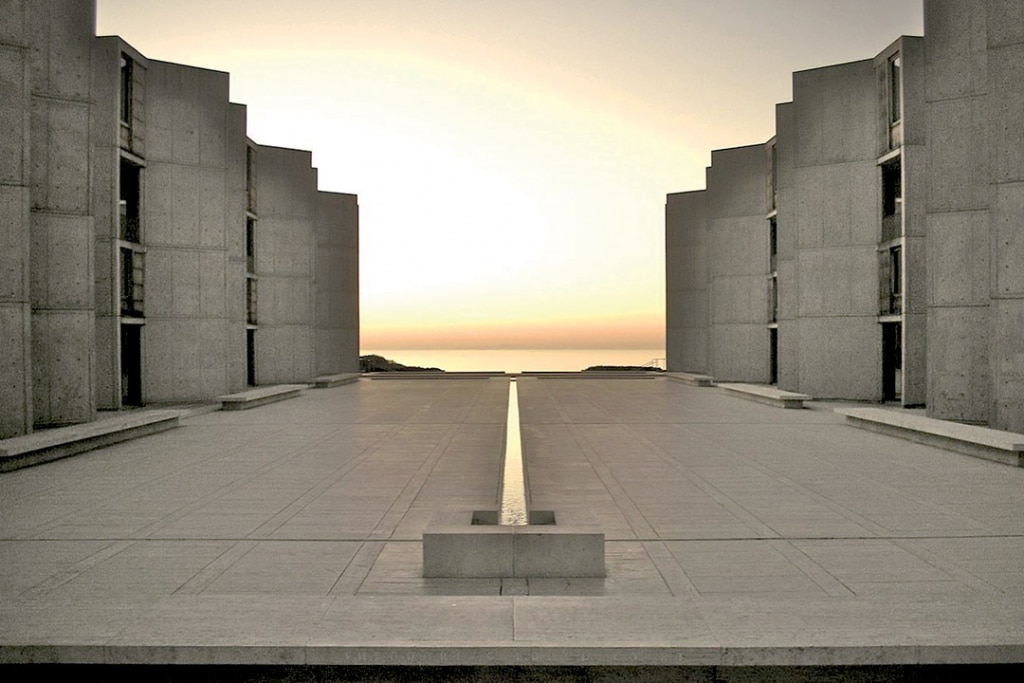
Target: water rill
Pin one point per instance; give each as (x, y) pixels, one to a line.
(513, 541)
(513, 482)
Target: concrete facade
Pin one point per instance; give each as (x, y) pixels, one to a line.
(975, 212)
(128, 219)
(894, 208)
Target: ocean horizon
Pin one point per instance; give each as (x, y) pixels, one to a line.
(519, 360)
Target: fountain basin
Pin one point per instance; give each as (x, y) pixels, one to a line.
(462, 544)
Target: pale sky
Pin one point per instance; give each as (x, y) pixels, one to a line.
(511, 157)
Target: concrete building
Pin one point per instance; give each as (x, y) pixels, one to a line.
(889, 252)
(138, 265)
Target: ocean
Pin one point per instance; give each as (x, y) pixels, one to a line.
(520, 360)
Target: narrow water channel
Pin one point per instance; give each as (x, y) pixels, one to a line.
(513, 483)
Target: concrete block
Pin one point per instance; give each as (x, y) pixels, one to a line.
(253, 398)
(840, 357)
(62, 442)
(185, 283)
(958, 169)
(468, 551)
(737, 182)
(766, 394)
(14, 244)
(15, 370)
(108, 378)
(212, 283)
(958, 258)
(14, 118)
(1008, 239)
(62, 267)
(739, 299)
(64, 64)
(739, 353)
(980, 442)
(62, 367)
(463, 543)
(838, 281)
(956, 54)
(959, 376)
(1007, 362)
(212, 201)
(833, 113)
(60, 155)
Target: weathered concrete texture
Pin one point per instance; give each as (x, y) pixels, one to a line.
(686, 277)
(975, 203)
(286, 187)
(737, 535)
(61, 275)
(832, 176)
(15, 310)
(737, 263)
(186, 344)
(337, 283)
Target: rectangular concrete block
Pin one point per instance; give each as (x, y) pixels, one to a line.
(468, 551)
(841, 357)
(557, 552)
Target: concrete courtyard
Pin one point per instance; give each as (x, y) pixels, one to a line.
(738, 535)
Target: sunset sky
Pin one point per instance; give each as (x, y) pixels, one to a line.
(511, 157)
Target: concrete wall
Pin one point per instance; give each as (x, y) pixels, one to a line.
(1006, 153)
(60, 262)
(107, 149)
(959, 380)
(15, 234)
(186, 333)
(285, 262)
(835, 193)
(788, 281)
(686, 277)
(336, 283)
(234, 226)
(975, 94)
(738, 264)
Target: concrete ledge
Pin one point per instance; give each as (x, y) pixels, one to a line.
(593, 374)
(384, 661)
(980, 442)
(330, 381)
(691, 379)
(259, 396)
(545, 550)
(426, 374)
(53, 444)
(768, 395)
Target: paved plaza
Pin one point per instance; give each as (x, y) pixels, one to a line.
(737, 534)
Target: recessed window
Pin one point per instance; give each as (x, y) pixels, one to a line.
(127, 69)
(895, 89)
(892, 200)
(130, 187)
(250, 178)
(133, 267)
(250, 245)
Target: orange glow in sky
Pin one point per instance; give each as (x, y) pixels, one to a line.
(511, 157)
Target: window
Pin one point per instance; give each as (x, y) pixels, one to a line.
(250, 178)
(773, 245)
(250, 245)
(250, 300)
(128, 201)
(892, 200)
(133, 268)
(773, 173)
(890, 281)
(127, 69)
(895, 89)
